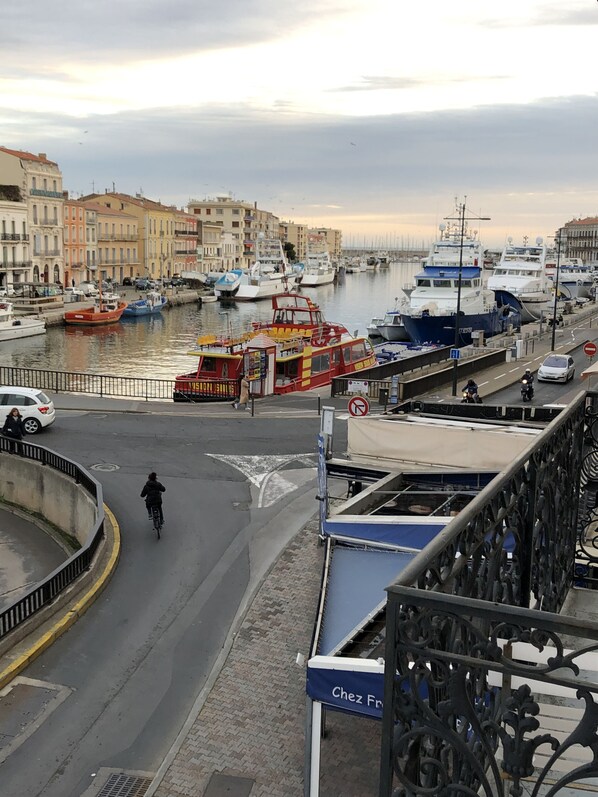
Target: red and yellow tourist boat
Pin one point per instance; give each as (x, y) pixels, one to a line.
(297, 350)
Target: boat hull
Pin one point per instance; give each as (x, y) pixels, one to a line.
(263, 289)
(313, 280)
(530, 308)
(440, 329)
(137, 310)
(94, 317)
(22, 328)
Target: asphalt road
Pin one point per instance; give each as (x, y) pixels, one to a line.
(130, 669)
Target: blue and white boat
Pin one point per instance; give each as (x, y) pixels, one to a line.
(451, 279)
(227, 284)
(151, 304)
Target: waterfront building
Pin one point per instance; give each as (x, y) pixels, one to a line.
(155, 230)
(334, 241)
(186, 242)
(295, 234)
(580, 237)
(14, 238)
(40, 183)
(74, 241)
(243, 220)
(114, 244)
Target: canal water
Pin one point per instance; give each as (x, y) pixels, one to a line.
(156, 347)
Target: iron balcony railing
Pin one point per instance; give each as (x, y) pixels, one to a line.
(44, 192)
(46, 591)
(455, 719)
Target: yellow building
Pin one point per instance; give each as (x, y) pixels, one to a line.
(334, 241)
(156, 230)
(295, 234)
(114, 246)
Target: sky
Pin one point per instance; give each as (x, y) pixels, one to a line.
(372, 116)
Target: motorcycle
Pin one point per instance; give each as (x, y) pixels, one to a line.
(470, 398)
(527, 390)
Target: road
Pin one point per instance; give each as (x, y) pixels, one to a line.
(118, 686)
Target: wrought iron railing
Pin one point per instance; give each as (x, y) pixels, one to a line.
(42, 594)
(501, 571)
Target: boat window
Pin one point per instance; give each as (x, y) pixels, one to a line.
(476, 283)
(336, 357)
(347, 355)
(358, 351)
(421, 283)
(465, 283)
(208, 364)
(320, 363)
(442, 283)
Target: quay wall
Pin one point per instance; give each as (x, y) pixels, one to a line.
(48, 493)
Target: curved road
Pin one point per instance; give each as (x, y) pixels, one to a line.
(118, 686)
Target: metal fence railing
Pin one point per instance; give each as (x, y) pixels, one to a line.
(43, 593)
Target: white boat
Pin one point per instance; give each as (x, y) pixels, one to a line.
(12, 328)
(520, 279)
(227, 284)
(575, 277)
(383, 259)
(271, 273)
(392, 327)
(318, 269)
(451, 283)
(372, 328)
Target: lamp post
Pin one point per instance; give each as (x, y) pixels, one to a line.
(461, 218)
(556, 289)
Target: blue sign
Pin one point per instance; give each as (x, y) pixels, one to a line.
(455, 354)
(357, 692)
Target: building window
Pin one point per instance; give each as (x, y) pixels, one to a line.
(236, 224)
(208, 211)
(33, 183)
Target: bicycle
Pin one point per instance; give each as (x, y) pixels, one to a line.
(157, 520)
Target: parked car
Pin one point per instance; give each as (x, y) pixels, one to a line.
(557, 368)
(127, 281)
(74, 294)
(34, 405)
(89, 289)
(142, 284)
(7, 291)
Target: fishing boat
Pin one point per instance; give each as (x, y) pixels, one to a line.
(12, 328)
(520, 279)
(103, 312)
(151, 304)
(451, 283)
(318, 270)
(297, 350)
(227, 284)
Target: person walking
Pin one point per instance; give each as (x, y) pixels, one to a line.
(13, 429)
(243, 394)
(152, 492)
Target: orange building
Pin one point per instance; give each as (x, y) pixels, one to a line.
(74, 241)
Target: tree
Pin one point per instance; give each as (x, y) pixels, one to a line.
(289, 251)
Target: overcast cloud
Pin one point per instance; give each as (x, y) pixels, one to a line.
(369, 115)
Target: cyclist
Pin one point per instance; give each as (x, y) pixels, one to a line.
(152, 492)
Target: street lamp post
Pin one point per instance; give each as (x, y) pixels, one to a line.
(462, 219)
(556, 290)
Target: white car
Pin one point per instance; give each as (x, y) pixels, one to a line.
(557, 368)
(34, 405)
(89, 289)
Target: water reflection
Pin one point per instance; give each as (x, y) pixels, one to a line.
(157, 346)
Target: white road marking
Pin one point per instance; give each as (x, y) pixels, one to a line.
(261, 471)
(483, 383)
(500, 376)
(513, 370)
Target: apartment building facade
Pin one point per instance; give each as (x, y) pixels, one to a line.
(186, 242)
(334, 241)
(244, 221)
(295, 234)
(40, 184)
(580, 238)
(74, 242)
(15, 263)
(115, 254)
(155, 231)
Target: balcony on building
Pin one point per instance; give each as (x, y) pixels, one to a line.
(44, 192)
(11, 236)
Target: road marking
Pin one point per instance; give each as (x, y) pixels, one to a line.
(500, 376)
(513, 370)
(483, 383)
(261, 471)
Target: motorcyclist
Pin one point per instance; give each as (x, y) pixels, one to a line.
(470, 391)
(527, 383)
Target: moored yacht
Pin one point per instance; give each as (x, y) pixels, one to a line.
(318, 269)
(270, 275)
(520, 280)
(575, 278)
(451, 281)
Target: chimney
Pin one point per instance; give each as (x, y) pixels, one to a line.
(42, 155)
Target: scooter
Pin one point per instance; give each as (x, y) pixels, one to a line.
(527, 390)
(470, 398)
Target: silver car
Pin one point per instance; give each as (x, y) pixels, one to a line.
(557, 368)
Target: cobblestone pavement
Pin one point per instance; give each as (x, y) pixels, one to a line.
(252, 724)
